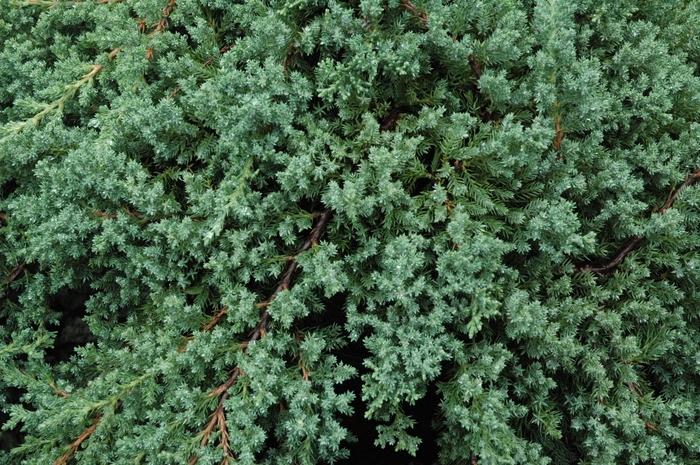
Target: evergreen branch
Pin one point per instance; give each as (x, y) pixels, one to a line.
(218, 418)
(16, 271)
(635, 241)
(58, 104)
(421, 15)
(75, 445)
(32, 379)
(284, 284)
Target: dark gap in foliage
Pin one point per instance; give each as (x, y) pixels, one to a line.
(426, 412)
(71, 120)
(71, 330)
(422, 184)
(333, 314)
(14, 437)
(175, 185)
(184, 33)
(569, 444)
(7, 188)
(362, 449)
(298, 61)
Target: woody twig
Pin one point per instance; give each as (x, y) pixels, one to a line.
(636, 241)
(217, 420)
(75, 445)
(422, 16)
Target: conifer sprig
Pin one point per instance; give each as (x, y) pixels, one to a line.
(58, 104)
(218, 417)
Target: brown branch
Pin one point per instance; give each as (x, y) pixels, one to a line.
(113, 54)
(631, 245)
(284, 284)
(218, 418)
(75, 445)
(689, 181)
(58, 391)
(16, 271)
(635, 241)
(558, 133)
(422, 16)
(218, 316)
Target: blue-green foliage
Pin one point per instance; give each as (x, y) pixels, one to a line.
(484, 162)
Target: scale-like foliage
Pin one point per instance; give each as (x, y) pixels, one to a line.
(247, 231)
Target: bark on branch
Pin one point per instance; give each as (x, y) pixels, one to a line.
(636, 241)
(75, 445)
(422, 16)
(217, 420)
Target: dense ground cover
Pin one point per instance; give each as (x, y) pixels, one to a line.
(307, 232)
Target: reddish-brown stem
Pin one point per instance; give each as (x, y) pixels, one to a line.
(285, 283)
(689, 180)
(631, 245)
(422, 16)
(636, 241)
(558, 133)
(218, 418)
(214, 320)
(75, 445)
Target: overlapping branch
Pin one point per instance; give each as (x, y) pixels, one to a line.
(57, 105)
(636, 241)
(217, 420)
(16, 271)
(420, 15)
(75, 445)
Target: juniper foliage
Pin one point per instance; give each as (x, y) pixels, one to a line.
(492, 202)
